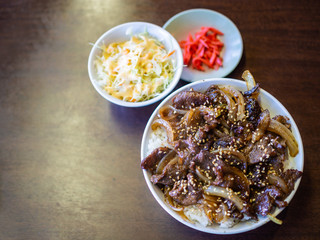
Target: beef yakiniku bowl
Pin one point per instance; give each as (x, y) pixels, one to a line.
(219, 162)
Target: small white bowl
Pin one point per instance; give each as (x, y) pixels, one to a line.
(267, 102)
(191, 21)
(122, 33)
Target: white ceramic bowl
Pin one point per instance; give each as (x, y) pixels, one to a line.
(191, 21)
(122, 33)
(267, 101)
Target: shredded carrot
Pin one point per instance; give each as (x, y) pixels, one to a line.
(169, 54)
(203, 49)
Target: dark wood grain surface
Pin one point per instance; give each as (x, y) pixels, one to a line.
(69, 160)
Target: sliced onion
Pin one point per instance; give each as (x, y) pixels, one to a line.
(245, 181)
(174, 160)
(278, 182)
(232, 111)
(224, 193)
(210, 198)
(263, 124)
(274, 219)
(247, 76)
(286, 134)
(239, 100)
(166, 126)
(218, 133)
(169, 112)
(210, 206)
(164, 161)
(235, 153)
(208, 211)
(201, 176)
(172, 204)
(224, 123)
(208, 111)
(186, 119)
(253, 92)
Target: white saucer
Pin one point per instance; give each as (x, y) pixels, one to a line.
(191, 21)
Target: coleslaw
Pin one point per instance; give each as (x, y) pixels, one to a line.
(135, 70)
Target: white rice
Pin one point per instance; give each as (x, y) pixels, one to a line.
(158, 138)
(197, 215)
(229, 222)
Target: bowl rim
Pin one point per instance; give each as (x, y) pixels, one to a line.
(194, 10)
(221, 231)
(171, 86)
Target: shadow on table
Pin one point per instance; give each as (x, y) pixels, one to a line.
(136, 117)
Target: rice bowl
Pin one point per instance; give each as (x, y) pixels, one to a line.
(149, 142)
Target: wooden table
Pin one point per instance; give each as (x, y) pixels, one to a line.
(69, 160)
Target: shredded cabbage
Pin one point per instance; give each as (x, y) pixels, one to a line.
(135, 70)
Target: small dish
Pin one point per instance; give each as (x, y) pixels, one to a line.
(123, 33)
(191, 21)
(267, 102)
